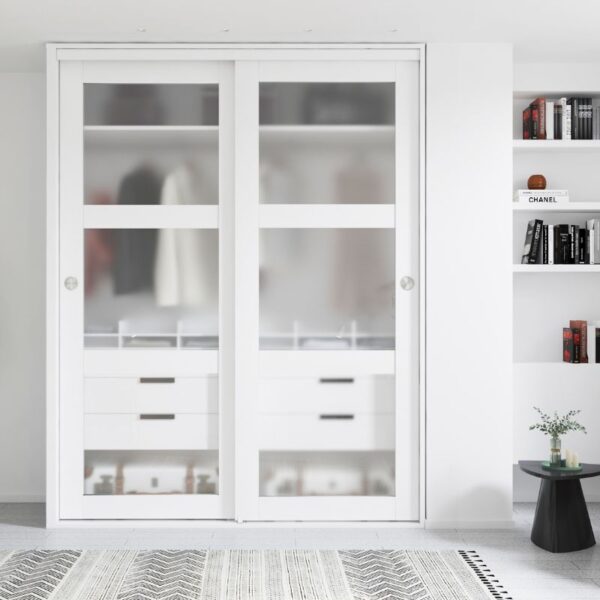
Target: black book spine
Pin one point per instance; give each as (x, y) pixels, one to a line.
(535, 242)
(598, 344)
(574, 233)
(582, 236)
(564, 245)
(545, 246)
(557, 254)
(589, 119)
(557, 122)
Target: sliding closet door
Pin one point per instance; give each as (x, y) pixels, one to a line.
(328, 229)
(146, 269)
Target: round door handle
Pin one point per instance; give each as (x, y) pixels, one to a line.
(71, 283)
(407, 283)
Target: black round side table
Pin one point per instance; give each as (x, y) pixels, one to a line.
(562, 522)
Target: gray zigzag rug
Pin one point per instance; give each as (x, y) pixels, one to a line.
(245, 575)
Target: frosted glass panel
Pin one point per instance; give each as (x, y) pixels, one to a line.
(303, 103)
(327, 473)
(327, 289)
(327, 143)
(151, 104)
(151, 288)
(151, 167)
(117, 472)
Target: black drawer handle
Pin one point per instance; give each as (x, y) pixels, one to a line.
(336, 417)
(336, 380)
(157, 417)
(157, 379)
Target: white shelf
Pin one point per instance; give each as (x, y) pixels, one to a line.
(326, 134)
(190, 216)
(555, 145)
(556, 268)
(362, 216)
(567, 207)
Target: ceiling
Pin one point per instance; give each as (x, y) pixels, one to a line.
(540, 30)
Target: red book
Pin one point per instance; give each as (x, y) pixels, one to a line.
(539, 107)
(582, 327)
(527, 123)
(568, 349)
(576, 345)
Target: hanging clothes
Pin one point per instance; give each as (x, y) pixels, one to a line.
(186, 268)
(135, 249)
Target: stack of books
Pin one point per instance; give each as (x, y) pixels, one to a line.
(581, 342)
(561, 119)
(562, 244)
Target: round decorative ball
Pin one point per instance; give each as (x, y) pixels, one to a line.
(536, 182)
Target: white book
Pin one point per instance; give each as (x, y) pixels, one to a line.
(549, 120)
(541, 196)
(566, 123)
(550, 244)
(591, 343)
(590, 227)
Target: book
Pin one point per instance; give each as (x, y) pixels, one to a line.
(574, 104)
(597, 344)
(538, 118)
(582, 327)
(590, 246)
(574, 241)
(557, 121)
(550, 245)
(531, 247)
(576, 345)
(544, 260)
(541, 196)
(562, 245)
(593, 227)
(566, 119)
(582, 244)
(568, 348)
(527, 123)
(549, 120)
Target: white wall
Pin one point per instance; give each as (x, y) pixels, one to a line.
(22, 264)
(469, 284)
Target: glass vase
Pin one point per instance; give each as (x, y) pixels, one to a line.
(555, 455)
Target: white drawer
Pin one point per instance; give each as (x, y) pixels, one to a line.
(301, 395)
(148, 431)
(151, 394)
(326, 431)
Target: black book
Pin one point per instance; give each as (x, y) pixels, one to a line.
(574, 233)
(532, 245)
(589, 119)
(598, 344)
(544, 260)
(557, 121)
(562, 245)
(582, 245)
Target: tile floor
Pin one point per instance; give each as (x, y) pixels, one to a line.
(526, 571)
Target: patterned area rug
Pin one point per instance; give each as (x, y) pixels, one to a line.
(245, 575)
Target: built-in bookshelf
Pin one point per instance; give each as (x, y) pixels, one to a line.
(546, 297)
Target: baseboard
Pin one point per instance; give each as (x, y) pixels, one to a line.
(21, 498)
(434, 524)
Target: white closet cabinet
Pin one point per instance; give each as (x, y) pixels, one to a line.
(234, 283)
